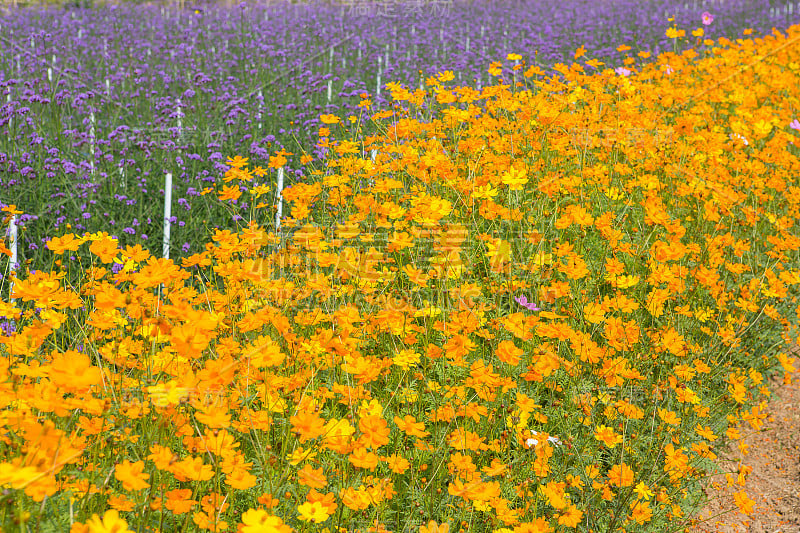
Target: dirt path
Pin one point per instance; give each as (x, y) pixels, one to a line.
(774, 483)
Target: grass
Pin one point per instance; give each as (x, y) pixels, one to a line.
(541, 308)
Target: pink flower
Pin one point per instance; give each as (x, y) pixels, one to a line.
(622, 71)
(795, 125)
(523, 301)
(708, 18)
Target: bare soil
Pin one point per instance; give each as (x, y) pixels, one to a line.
(774, 483)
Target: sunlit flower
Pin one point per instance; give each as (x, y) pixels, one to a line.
(261, 521)
(433, 527)
(132, 475)
(744, 503)
(313, 512)
(109, 523)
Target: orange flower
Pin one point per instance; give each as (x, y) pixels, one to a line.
(621, 475)
(132, 475)
(110, 523)
(230, 193)
(508, 353)
(362, 458)
(607, 436)
(73, 371)
(191, 468)
(641, 512)
(433, 527)
(409, 425)
(308, 425)
(106, 249)
(179, 501)
(241, 479)
(68, 242)
(555, 494)
(744, 503)
(237, 162)
(397, 464)
(375, 431)
(570, 517)
(311, 477)
(329, 119)
(327, 500)
(461, 439)
(669, 416)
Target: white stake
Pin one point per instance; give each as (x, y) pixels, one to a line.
(378, 91)
(372, 155)
(108, 87)
(467, 44)
(122, 175)
(14, 258)
(167, 212)
(178, 116)
(260, 107)
(330, 89)
(91, 141)
(279, 199)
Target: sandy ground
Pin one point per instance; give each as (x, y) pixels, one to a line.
(774, 483)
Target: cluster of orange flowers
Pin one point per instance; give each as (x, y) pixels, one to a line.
(379, 366)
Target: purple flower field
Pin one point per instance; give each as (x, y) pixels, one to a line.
(96, 105)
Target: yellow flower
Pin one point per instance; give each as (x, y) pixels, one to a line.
(433, 527)
(643, 491)
(313, 512)
(329, 119)
(237, 162)
(110, 523)
(672, 33)
(515, 179)
(406, 358)
(260, 521)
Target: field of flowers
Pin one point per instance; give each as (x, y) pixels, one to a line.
(543, 304)
(97, 105)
